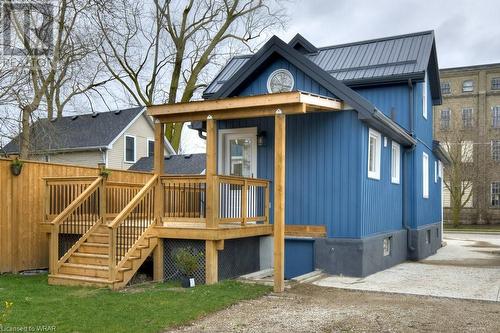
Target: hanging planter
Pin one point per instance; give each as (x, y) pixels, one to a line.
(16, 166)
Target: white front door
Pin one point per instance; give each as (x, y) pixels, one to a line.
(238, 152)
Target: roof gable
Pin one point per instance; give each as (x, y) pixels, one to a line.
(372, 62)
(276, 46)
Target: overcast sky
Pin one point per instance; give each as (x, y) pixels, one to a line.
(467, 32)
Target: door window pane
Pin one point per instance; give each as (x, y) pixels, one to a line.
(240, 157)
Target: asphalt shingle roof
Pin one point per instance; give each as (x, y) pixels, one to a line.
(192, 164)
(77, 132)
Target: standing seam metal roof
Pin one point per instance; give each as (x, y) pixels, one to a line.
(392, 58)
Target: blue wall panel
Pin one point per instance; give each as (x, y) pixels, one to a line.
(391, 99)
(381, 200)
(299, 257)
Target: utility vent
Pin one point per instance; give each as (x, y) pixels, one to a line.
(117, 112)
(53, 120)
(94, 114)
(168, 157)
(188, 156)
(74, 117)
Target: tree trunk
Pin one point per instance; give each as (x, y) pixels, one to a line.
(24, 144)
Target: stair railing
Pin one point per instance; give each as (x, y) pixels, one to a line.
(80, 217)
(131, 226)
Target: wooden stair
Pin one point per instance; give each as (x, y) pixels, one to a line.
(89, 264)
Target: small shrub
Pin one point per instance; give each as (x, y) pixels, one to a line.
(186, 260)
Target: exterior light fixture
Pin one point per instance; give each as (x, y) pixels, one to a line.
(261, 138)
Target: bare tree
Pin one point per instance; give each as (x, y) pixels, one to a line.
(54, 48)
(161, 50)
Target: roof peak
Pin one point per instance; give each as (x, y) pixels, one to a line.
(302, 45)
(379, 39)
(94, 114)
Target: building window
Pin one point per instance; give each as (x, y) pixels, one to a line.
(425, 175)
(387, 246)
(495, 117)
(395, 163)
(428, 236)
(467, 121)
(129, 149)
(374, 151)
(495, 150)
(495, 83)
(445, 88)
(424, 97)
(495, 194)
(467, 151)
(151, 147)
(445, 119)
(468, 86)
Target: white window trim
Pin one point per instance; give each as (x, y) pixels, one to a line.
(376, 173)
(395, 179)
(424, 97)
(148, 140)
(425, 176)
(435, 171)
(125, 148)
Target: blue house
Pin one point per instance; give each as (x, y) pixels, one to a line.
(370, 175)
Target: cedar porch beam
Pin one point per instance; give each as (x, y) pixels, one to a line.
(279, 201)
(241, 102)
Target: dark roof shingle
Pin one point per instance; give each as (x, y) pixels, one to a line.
(84, 131)
(192, 164)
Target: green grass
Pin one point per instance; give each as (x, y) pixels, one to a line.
(146, 308)
(473, 227)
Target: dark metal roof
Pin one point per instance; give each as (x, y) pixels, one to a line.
(86, 131)
(193, 164)
(383, 60)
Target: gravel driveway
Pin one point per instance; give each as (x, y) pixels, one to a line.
(468, 267)
(309, 308)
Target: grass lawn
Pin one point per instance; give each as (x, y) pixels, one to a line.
(144, 308)
(473, 227)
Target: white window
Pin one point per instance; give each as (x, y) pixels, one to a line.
(374, 151)
(435, 171)
(468, 86)
(129, 149)
(395, 163)
(425, 175)
(387, 246)
(467, 151)
(424, 97)
(151, 147)
(495, 194)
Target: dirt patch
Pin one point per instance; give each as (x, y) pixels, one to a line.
(483, 244)
(308, 308)
(480, 263)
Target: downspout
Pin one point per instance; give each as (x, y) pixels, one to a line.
(407, 153)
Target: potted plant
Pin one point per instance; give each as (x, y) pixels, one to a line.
(16, 166)
(186, 260)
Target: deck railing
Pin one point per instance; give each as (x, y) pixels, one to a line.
(184, 198)
(131, 225)
(242, 200)
(118, 195)
(81, 215)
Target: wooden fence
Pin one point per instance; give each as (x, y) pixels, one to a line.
(22, 245)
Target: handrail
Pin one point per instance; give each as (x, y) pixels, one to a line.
(74, 204)
(133, 203)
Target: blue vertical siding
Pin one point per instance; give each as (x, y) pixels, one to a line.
(381, 200)
(303, 82)
(391, 100)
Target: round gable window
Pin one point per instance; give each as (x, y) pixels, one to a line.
(280, 80)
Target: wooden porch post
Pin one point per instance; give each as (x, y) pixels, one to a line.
(279, 200)
(211, 255)
(159, 163)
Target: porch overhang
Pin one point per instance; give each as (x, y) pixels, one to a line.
(294, 102)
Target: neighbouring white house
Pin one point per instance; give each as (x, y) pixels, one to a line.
(117, 138)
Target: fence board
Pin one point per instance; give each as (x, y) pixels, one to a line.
(22, 245)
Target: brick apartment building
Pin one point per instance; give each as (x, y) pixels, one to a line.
(470, 119)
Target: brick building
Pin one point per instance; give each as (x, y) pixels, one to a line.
(470, 119)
